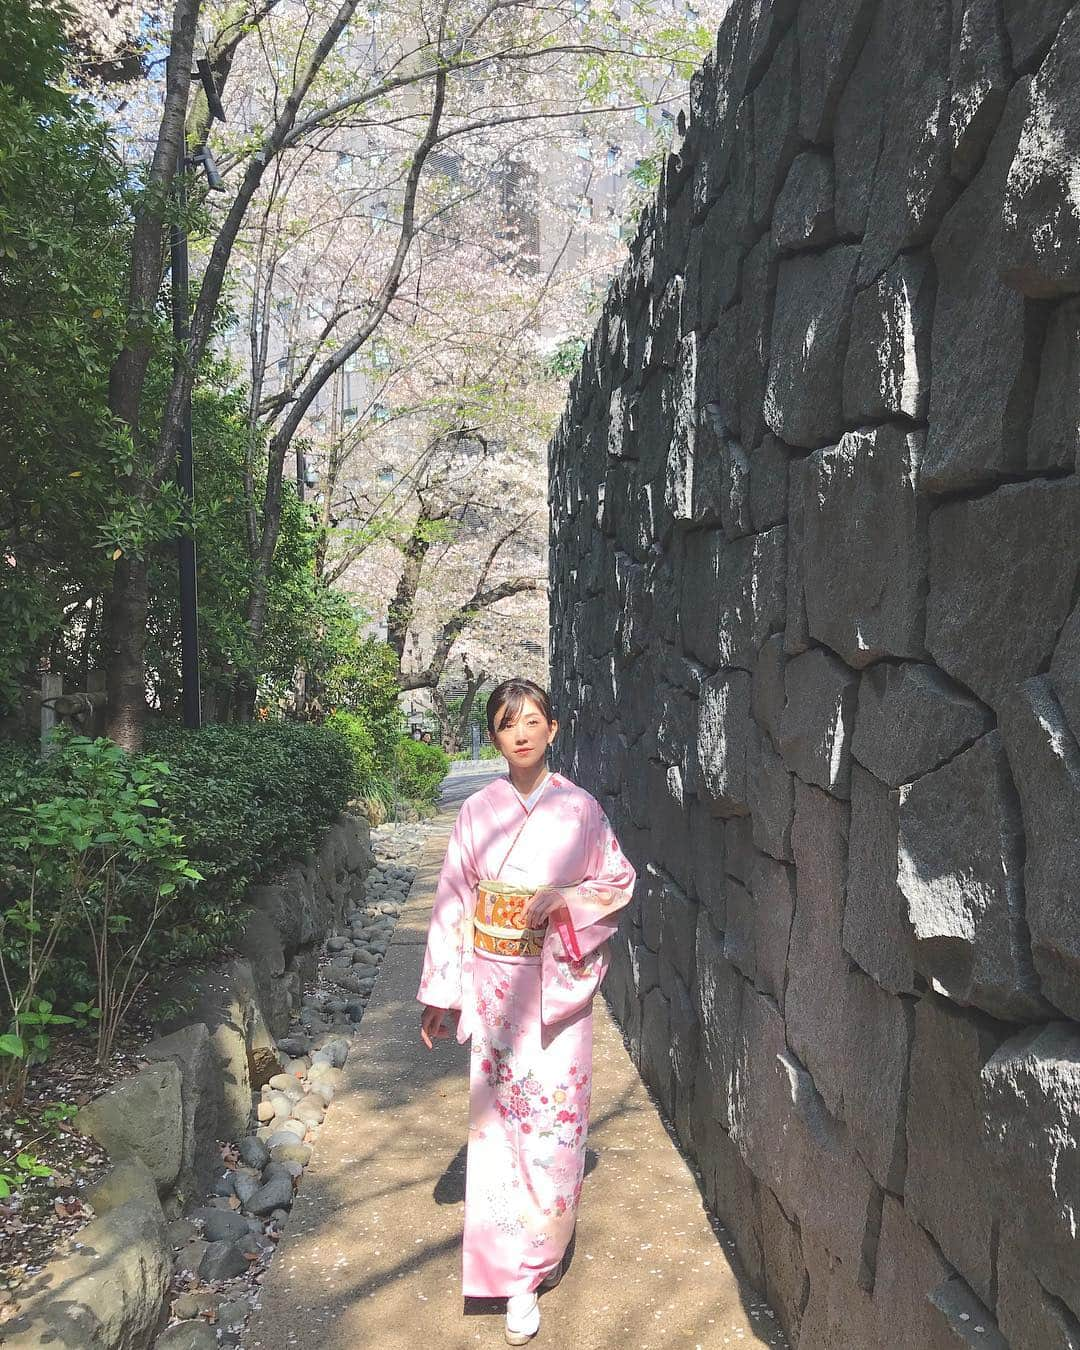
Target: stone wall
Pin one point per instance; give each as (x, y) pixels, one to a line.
(815, 567)
(161, 1127)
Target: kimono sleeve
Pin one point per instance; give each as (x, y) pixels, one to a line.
(575, 959)
(440, 981)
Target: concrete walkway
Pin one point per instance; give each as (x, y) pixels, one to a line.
(371, 1256)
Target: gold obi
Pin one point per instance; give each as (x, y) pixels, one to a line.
(499, 921)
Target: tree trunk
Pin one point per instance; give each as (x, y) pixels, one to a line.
(472, 687)
(125, 673)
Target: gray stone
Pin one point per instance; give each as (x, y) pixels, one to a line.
(860, 115)
(1031, 1121)
(879, 1029)
(771, 793)
(979, 80)
(190, 1049)
(755, 335)
(946, 1187)
(679, 478)
(253, 1152)
(222, 1261)
(751, 582)
(804, 391)
(912, 187)
(193, 1335)
(233, 1315)
(767, 690)
(776, 126)
(864, 559)
(109, 1292)
(814, 1004)
(984, 374)
(739, 935)
(130, 1180)
(796, 632)
(1045, 760)
(723, 729)
(677, 916)
(787, 1283)
(1008, 633)
(769, 463)
(245, 1187)
(773, 889)
(1065, 671)
(911, 718)
(718, 993)
(961, 859)
(707, 860)
(1041, 214)
(816, 727)
(221, 1225)
(190, 1256)
(1029, 1317)
(656, 1067)
(838, 1314)
(141, 1118)
(291, 1152)
(275, 1193)
(887, 371)
(877, 933)
(831, 35)
(1054, 437)
(803, 217)
(1032, 26)
(739, 848)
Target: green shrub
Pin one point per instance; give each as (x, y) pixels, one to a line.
(373, 773)
(419, 769)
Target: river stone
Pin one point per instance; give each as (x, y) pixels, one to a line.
(771, 794)
(980, 79)
(946, 1189)
(190, 1335)
(253, 1152)
(961, 858)
(291, 1151)
(912, 186)
(221, 1225)
(222, 1261)
(1031, 1122)
(865, 546)
(817, 966)
(142, 1117)
(275, 1193)
(1041, 214)
(816, 726)
(772, 885)
(831, 35)
(910, 719)
(722, 737)
(1032, 26)
(990, 626)
(985, 374)
(1054, 436)
(877, 933)
(803, 216)
(804, 390)
(887, 371)
(1045, 761)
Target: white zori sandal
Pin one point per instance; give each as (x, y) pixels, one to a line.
(522, 1318)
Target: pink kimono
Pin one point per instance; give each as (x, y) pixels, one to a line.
(530, 1019)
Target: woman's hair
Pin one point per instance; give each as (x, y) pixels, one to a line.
(511, 696)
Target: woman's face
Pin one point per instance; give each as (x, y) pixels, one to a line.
(524, 742)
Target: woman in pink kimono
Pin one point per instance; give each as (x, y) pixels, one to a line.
(522, 986)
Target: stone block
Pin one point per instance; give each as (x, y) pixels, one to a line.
(912, 187)
(984, 374)
(773, 890)
(1041, 214)
(979, 79)
(769, 483)
(771, 793)
(723, 249)
(191, 1051)
(767, 689)
(751, 585)
(803, 216)
(877, 1045)
(787, 1284)
(718, 994)
(1054, 436)
(776, 126)
(732, 1190)
(707, 861)
(887, 371)
(860, 112)
(1028, 1316)
(656, 1067)
(818, 718)
(804, 391)
(877, 932)
(817, 966)
(723, 731)
(1065, 671)
(864, 563)
(961, 861)
(796, 632)
(739, 935)
(1031, 1121)
(699, 606)
(685, 1036)
(679, 477)
(759, 286)
(739, 848)
(910, 719)
(765, 22)
(1045, 760)
(761, 1109)
(141, 1118)
(831, 35)
(678, 921)
(990, 626)
(838, 1314)
(1032, 25)
(946, 1189)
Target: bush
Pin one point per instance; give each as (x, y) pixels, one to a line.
(373, 773)
(419, 769)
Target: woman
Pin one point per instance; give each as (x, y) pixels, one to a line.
(524, 994)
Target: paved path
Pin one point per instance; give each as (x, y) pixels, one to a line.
(371, 1256)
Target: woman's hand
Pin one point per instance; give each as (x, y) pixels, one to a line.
(543, 906)
(432, 1026)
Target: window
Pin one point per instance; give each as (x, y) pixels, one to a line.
(386, 477)
(613, 153)
(379, 412)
